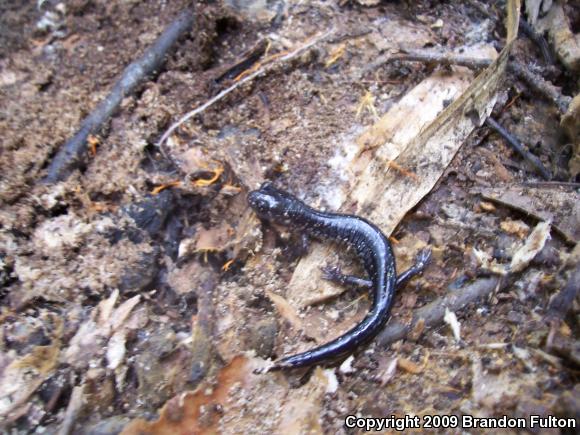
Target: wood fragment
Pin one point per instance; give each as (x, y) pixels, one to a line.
(409, 366)
(249, 58)
(71, 156)
(432, 314)
(72, 411)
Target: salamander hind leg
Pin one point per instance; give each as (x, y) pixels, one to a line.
(421, 261)
(334, 274)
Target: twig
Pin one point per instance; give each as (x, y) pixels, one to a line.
(541, 86)
(432, 314)
(548, 184)
(250, 57)
(536, 82)
(516, 145)
(438, 58)
(236, 85)
(71, 156)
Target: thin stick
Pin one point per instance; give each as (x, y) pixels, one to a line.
(535, 81)
(540, 85)
(521, 150)
(432, 314)
(72, 154)
(236, 85)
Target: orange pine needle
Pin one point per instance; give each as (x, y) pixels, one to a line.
(161, 188)
(93, 142)
(227, 265)
(402, 170)
(208, 182)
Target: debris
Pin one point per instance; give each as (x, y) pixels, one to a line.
(237, 400)
(557, 204)
(451, 319)
(151, 212)
(562, 302)
(335, 55)
(285, 57)
(565, 43)
(346, 366)
(287, 312)
(71, 155)
(208, 182)
(535, 81)
(534, 7)
(571, 122)
(409, 366)
(87, 344)
(387, 370)
(433, 313)
(332, 381)
(162, 187)
(516, 145)
(538, 39)
(21, 377)
(367, 102)
(533, 245)
(515, 227)
(525, 357)
(73, 409)
(249, 58)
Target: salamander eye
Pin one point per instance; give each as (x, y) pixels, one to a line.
(266, 185)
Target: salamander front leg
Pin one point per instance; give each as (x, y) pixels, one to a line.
(335, 275)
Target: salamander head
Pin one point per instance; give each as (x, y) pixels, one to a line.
(272, 204)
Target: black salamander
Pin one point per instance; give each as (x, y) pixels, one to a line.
(370, 244)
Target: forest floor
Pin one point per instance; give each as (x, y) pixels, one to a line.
(141, 294)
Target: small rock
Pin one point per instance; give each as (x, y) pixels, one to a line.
(150, 214)
(142, 275)
(262, 337)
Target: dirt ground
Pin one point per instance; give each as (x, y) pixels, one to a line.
(141, 294)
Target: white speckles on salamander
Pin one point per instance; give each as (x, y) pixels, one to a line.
(371, 246)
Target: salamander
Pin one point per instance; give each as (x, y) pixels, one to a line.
(371, 246)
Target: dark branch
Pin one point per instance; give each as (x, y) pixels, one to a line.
(516, 145)
(72, 154)
(433, 313)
